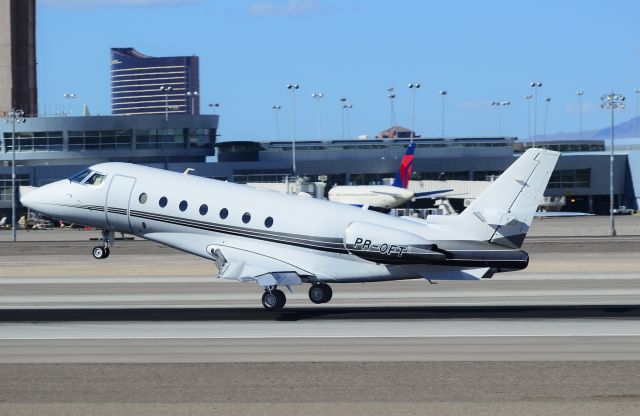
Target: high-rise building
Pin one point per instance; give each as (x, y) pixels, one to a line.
(142, 84)
(18, 89)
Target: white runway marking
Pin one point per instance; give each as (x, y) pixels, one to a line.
(323, 329)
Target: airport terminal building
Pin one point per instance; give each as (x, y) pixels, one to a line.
(53, 148)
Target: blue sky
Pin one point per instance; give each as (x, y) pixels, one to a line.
(479, 51)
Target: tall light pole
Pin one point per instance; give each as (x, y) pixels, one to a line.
(392, 110)
(15, 116)
(499, 105)
(443, 94)
(528, 97)
(414, 87)
(166, 89)
(347, 108)
(69, 97)
(635, 118)
(293, 88)
(612, 101)
(213, 107)
(343, 105)
(192, 95)
(580, 94)
(318, 96)
(535, 85)
(546, 114)
(276, 109)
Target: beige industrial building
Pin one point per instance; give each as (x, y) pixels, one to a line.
(18, 87)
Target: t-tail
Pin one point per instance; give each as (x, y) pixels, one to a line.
(406, 167)
(502, 214)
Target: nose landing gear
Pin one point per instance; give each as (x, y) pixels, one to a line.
(102, 251)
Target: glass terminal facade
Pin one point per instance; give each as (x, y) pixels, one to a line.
(52, 148)
(142, 84)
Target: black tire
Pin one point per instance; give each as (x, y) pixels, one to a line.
(106, 252)
(328, 292)
(320, 293)
(282, 299)
(316, 294)
(274, 300)
(98, 252)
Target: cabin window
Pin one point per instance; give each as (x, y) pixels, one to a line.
(246, 217)
(163, 202)
(224, 213)
(204, 209)
(142, 198)
(183, 205)
(268, 222)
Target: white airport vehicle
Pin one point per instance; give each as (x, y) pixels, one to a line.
(281, 240)
(623, 210)
(383, 196)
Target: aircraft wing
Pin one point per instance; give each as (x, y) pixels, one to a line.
(384, 193)
(235, 263)
(419, 195)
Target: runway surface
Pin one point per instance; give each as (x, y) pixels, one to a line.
(580, 298)
(153, 331)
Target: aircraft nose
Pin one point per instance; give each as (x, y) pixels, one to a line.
(28, 198)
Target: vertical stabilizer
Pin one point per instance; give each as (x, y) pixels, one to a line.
(406, 167)
(503, 213)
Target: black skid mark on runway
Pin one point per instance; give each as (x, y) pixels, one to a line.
(336, 313)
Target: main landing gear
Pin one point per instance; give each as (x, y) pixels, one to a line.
(102, 251)
(274, 299)
(320, 293)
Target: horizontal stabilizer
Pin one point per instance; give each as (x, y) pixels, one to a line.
(556, 214)
(466, 274)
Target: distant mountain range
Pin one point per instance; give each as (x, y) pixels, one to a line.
(627, 129)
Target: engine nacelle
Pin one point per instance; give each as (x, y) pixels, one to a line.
(389, 245)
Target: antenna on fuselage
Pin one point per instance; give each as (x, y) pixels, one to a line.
(188, 171)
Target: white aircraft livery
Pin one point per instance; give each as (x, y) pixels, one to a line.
(275, 239)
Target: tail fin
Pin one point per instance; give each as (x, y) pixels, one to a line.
(406, 167)
(503, 213)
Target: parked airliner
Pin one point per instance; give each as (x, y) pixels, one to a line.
(384, 196)
(275, 239)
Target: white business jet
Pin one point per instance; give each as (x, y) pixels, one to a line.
(384, 196)
(279, 240)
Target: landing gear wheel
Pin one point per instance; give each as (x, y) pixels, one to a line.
(320, 293)
(274, 300)
(100, 252)
(282, 299)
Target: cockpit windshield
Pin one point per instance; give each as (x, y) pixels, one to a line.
(95, 179)
(88, 177)
(79, 177)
